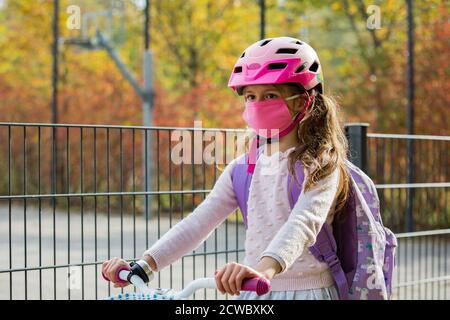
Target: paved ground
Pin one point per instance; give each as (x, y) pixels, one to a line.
(417, 260)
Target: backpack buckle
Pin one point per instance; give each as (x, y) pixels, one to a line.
(331, 259)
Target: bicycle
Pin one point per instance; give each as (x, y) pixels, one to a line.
(140, 274)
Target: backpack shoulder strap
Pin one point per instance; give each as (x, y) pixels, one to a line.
(241, 180)
(294, 188)
(325, 247)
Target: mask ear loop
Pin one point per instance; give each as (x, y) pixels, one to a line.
(308, 104)
(298, 116)
(292, 97)
(309, 101)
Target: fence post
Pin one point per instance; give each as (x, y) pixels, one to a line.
(357, 142)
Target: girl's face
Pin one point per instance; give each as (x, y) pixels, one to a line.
(262, 92)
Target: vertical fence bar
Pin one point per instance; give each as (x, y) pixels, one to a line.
(68, 199)
(410, 191)
(10, 211)
(134, 190)
(54, 191)
(420, 194)
(413, 274)
(433, 246)
(182, 213)
(204, 195)
(158, 188)
(390, 209)
(369, 155)
(426, 269)
(108, 201)
(401, 203)
(25, 207)
(399, 274)
(446, 269)
(435, 192)
(170, 198)
(193, 194)
(413, 265)
(226, 221)
(395, 205)
(82, 210)
(446, 222)
(439, 266)
(406, 266)
(121, 189)
(357, 140)
(383, 166)
(215, 230)
(146, 185)
(410, 114)
(95, 214)
(40, 213)
(420, 266)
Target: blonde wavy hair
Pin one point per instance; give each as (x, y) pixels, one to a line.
(322, 145)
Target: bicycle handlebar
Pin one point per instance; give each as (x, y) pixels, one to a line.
(259, 285)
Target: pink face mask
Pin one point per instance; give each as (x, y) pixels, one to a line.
(269, 117)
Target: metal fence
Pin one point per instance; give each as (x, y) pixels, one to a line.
(72, 196)
(422, 265)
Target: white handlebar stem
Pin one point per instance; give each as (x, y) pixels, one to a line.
(203, 283)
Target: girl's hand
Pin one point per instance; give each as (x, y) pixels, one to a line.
(229, 278)
(109, 270)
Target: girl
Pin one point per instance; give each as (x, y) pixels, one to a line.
(281, 82)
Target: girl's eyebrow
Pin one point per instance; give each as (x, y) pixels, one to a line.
(267, 90)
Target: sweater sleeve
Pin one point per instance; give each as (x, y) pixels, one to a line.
(305, 221)
(190, 232)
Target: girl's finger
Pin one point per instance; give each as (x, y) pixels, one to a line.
(232, 280)
(243, 274)
(104, 268)
(218, 278)
(226, 276)
(110, 271)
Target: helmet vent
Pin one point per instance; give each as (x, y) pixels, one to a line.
(301, 68)
(243, 54)
(238, 70)
(265, 42)
(298, 42)
(287, 50)
(314, 67)
(276, 66)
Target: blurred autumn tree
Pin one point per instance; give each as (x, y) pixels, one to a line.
(195, 45)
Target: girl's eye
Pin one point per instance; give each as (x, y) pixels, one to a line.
(252, 97)
(271, 96)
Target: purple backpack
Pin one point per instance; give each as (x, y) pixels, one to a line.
(359, 251)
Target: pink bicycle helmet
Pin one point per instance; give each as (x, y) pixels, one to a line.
(275, 61)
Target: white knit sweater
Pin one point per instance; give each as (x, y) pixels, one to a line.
(273, 228)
